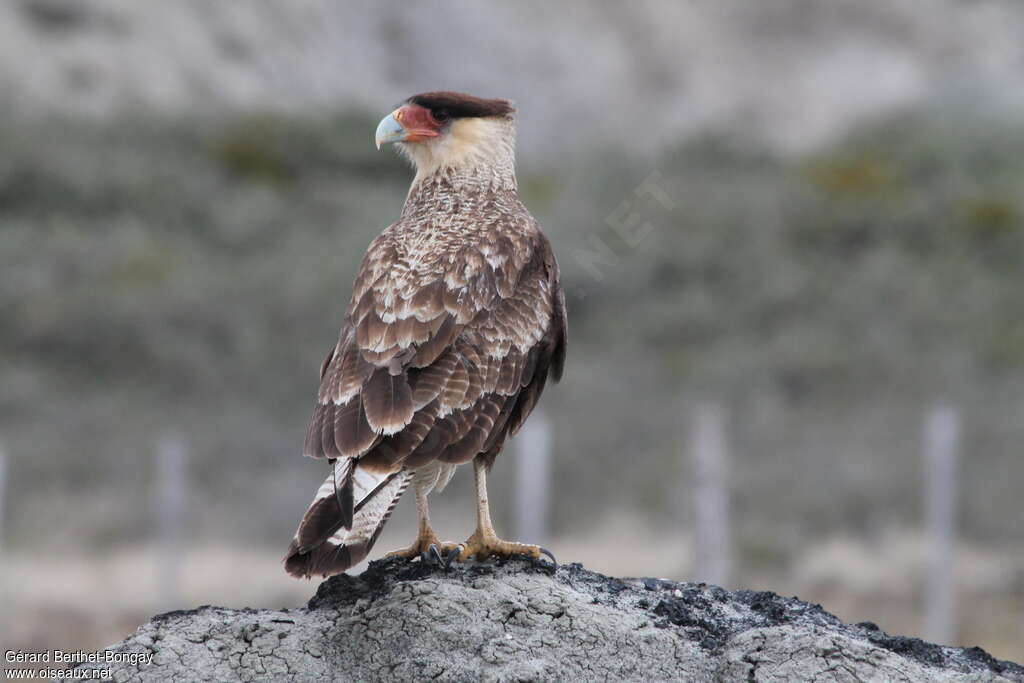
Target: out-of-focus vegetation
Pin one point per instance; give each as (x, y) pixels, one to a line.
(829, 301)
(190, 274)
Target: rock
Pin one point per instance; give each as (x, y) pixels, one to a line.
(519, 620)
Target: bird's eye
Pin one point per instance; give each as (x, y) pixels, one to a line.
(442, 115)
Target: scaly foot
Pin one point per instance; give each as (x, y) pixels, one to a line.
(482, 545)
(428, 548)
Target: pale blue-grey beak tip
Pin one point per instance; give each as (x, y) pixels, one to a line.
(389, 130)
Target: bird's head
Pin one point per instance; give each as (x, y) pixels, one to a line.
(439, 130)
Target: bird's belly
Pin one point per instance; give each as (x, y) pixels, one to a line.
(434, 476)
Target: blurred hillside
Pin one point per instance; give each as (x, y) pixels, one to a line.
(189, 274)
(792, 72)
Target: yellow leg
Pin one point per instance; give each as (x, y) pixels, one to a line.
(484, 542)
(426, 536)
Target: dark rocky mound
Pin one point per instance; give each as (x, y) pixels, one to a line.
(521, 621)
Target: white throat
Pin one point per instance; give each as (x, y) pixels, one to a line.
(479, 151)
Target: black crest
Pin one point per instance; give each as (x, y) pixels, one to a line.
(460, 105)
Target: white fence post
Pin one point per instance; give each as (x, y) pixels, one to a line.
(711, 495)
(533, 479)
(941, 437)
(172, 454)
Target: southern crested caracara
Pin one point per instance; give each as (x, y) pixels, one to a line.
(457, 319)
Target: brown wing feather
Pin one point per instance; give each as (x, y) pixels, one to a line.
(388, 401)
(430, 382)
(352, 432)
(394, 450)
(471, 442)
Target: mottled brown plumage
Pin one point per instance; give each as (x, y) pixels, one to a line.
(456, 320)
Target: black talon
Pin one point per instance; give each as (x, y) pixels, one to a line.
(435, 555)
(452, 555)
(554, 562)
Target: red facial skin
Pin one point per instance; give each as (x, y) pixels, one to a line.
(418, 122)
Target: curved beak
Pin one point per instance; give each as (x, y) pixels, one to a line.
(390, 130)
(408, 123)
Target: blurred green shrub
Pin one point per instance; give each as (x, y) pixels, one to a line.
(191, 273)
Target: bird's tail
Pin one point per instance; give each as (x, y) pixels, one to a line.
(323, 544)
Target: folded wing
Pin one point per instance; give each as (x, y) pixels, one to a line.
(440, 360)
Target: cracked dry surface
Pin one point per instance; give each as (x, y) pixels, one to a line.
(515, 621)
